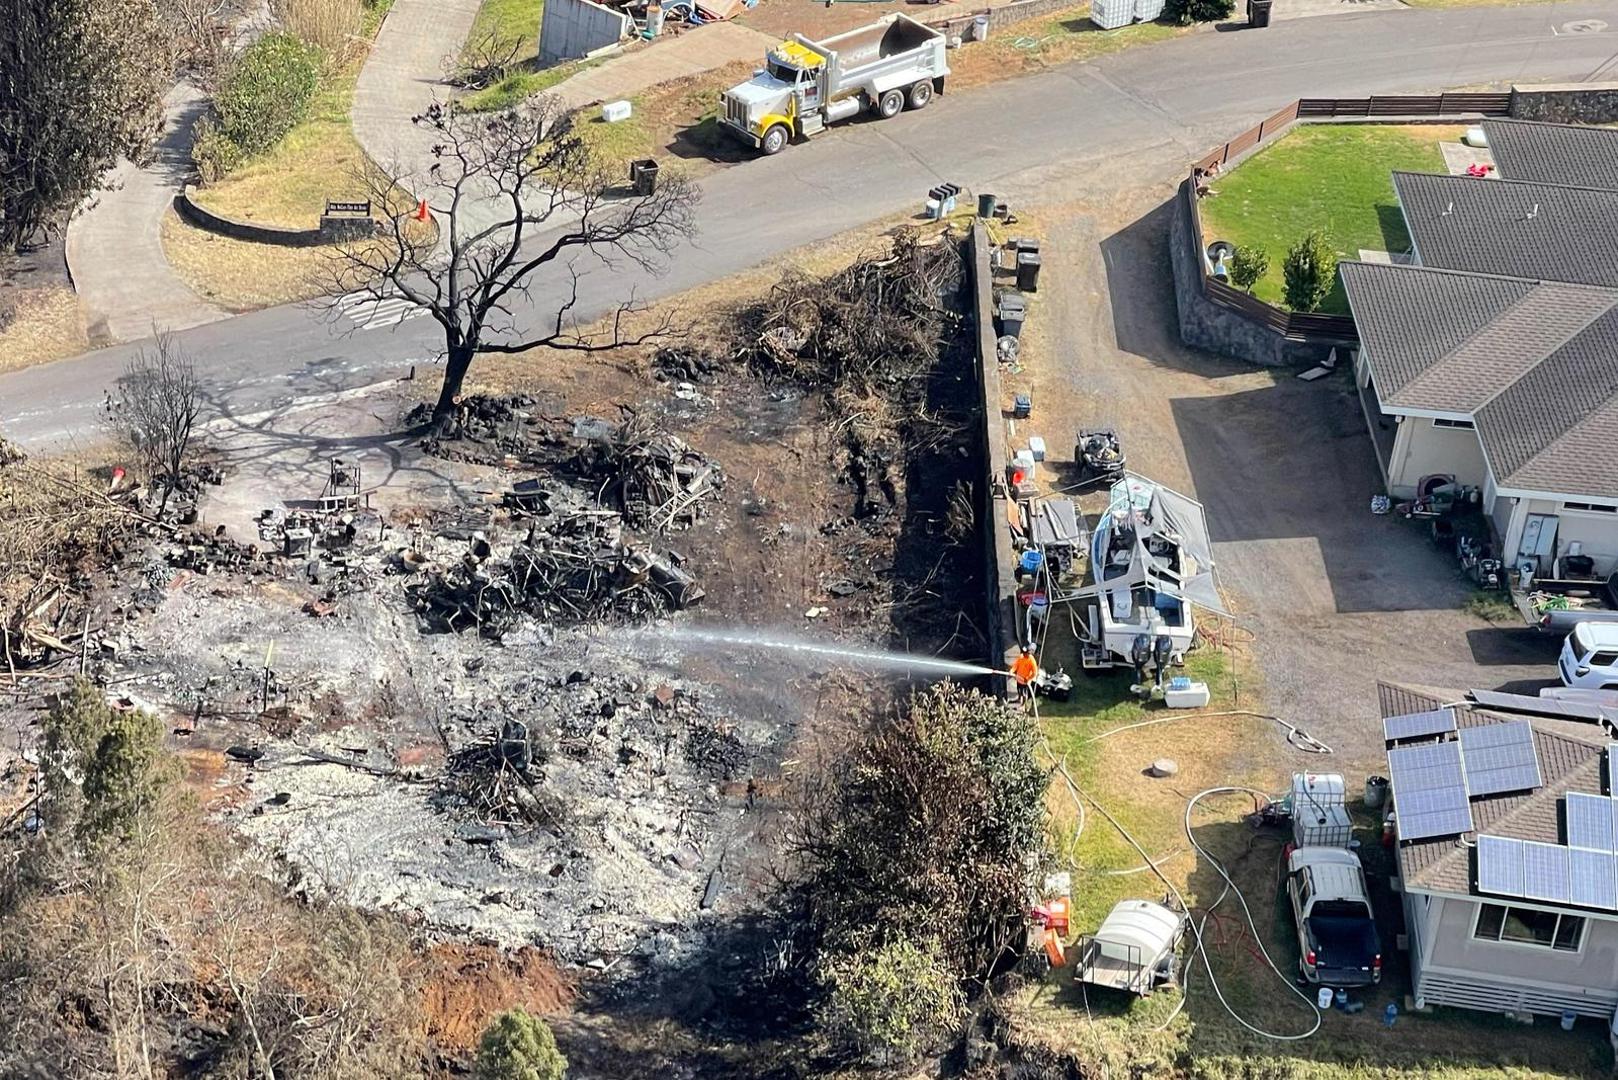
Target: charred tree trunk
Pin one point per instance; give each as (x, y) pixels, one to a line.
(449, 394)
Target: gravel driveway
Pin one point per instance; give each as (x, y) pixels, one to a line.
(1335, 597)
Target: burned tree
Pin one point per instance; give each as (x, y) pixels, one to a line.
(511, 193)
(154, 410)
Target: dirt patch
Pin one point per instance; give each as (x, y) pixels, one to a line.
(464, 986)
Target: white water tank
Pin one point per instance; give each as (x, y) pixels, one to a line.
(1148, 10)
(1111, 14)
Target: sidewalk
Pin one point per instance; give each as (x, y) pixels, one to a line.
(402, 76)
(693, 52)
(115, 248)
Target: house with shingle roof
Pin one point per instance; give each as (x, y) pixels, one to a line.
(1511, 912)
(1492, 355)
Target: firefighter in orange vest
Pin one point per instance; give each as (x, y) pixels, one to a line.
(1025, 669)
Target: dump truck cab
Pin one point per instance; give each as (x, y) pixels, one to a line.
(766, 107)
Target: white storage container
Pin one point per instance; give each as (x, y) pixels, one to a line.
(1324, 789)
(614, 111)
(1185, 694)
(1319, 825)
(1111, 14)
(1147, 10)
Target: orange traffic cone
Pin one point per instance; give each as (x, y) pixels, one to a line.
(421, 210)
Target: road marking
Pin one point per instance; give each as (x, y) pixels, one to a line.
(369, 313)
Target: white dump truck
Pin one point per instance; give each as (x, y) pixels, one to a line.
(804, 85)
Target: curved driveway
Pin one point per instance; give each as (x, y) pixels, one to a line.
(1034, 138)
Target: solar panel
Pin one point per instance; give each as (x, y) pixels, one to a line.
(1589, 821)
(1612, 768)
(1593, 878)
(1545, 872)
(1500, 758)
(1417, 725)
(1578, 711)
(1429, 790)
(1500, 869)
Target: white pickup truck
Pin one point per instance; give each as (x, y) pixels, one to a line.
(886, 66)
(1337, 940)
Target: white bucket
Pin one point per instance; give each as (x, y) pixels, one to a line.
(1323, 999)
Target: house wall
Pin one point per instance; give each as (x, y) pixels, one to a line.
(1597, 532)
(1420, 449)
(1454, 968)
(569, 29)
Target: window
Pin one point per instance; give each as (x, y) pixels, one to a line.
(1525, 926)
(1590, 508)
(1464, 425)
(1603, 659)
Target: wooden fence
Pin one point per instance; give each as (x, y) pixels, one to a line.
(1298, 324)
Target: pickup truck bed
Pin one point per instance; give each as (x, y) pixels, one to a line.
(1345, 949)
(1588, 601)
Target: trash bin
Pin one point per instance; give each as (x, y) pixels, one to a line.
(643, 176)
(985, 205)
(1028, 271)
(1258, 12)
(1376, 791)
(980, 28)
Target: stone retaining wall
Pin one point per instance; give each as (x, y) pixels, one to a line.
(1214, 327)
(1566, 103)
(994, 503)
(331, 230)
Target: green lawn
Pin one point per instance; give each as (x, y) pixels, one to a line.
(512, 20)
(1335, 177)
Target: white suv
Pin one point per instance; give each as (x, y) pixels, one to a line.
(1590, 656)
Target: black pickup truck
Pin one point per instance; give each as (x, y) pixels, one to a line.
(1337, 940)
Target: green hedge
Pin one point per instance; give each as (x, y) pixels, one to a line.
(264, 93)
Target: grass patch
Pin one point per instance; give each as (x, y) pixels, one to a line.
(520, 84)
(38, 325)
(239, 275)
(289, 185)
(1335, 177)
(507, 20)
(1058, 39)
(1494, 607)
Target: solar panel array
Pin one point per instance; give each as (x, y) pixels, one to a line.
(1557, 708)
(1500, 758)
(1418, 725)
(1429, 789)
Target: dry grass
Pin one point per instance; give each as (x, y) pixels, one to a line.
(47, 325)
(238, 275)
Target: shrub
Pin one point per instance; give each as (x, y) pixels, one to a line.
(1310, 270)
(519, 1046)
(103, 769)
(1186, 12)
(1247, 265)
(890, 1002)
(265, 91)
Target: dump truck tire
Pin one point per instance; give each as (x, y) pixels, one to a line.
(775, 140)
(921, 94)
(890, 104)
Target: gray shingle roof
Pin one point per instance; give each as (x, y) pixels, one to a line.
(1570, 757)
(1554, 153)
(1534, 363)
(1410, 319)
(1555, 428)
(1543, 232)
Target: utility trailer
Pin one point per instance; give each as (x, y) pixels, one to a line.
(886, 66)
(1134, 949)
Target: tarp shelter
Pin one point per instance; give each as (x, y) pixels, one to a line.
(1157, 513)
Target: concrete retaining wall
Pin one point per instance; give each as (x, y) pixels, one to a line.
(1566, 103)
(994, 503)
(1207, 325)
(570, 29)
(332, 230)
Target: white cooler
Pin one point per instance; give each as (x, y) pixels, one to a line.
(1182, 693)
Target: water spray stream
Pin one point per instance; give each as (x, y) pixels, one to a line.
(761, 639)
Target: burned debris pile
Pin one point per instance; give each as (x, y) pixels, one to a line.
(654, 479)
(573, 566)
(874, 328)
(871, 336)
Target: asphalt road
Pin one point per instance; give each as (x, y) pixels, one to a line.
(1028, 137)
